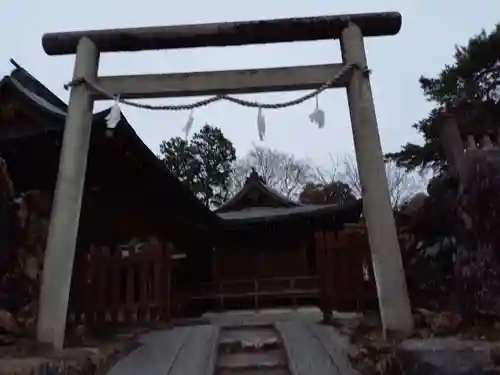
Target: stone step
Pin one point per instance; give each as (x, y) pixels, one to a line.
(271, 359)
(249, 325)
(248, 339)
(262, 371)
(238, 346)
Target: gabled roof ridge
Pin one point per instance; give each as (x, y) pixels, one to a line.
(28, 81)
(255, 180)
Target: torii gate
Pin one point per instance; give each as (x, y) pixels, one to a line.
(87, 45)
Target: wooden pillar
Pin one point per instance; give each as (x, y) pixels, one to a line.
(387, 263)
(63, 229)
(324, 275)
(168, 276)
(215, 264)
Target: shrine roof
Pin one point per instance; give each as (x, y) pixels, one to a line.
(255, 184)
(123, 152)
(258, 202)
(348, 212)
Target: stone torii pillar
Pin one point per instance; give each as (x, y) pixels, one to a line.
(388, 268)
(389, 274)
(65, 215)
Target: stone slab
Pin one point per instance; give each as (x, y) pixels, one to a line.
(263, 317)
(272, 371)
(237, 361)
(306, 353)
(446, 356)
(336, 345)
(156, 355)
(197, 356)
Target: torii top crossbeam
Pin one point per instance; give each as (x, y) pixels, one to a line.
(224, 34)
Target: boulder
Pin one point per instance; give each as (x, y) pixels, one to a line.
(445, 323)
(446, 356)
(8, 323)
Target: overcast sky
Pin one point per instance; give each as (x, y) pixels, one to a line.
(425, 44)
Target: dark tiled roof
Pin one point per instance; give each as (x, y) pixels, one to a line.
(33, 93)
(255, 182)
(349, 212)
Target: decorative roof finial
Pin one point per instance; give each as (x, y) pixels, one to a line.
(253, 174)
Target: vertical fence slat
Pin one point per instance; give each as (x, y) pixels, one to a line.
(130, 286)
(168, 281)
(323, 268)
(102, 284)
(144, 288)
(121, 286)
(158, 288)
(333, 272)
(93, 274)
(115, 278)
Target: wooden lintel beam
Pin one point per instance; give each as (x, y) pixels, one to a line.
(224, 34)
(219, 82)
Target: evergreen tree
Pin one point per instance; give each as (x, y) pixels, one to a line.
(204, 164)
(469, 89)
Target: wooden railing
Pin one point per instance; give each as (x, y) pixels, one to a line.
(257, 291)
(131, 284)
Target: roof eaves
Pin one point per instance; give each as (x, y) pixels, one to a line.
(99, 118)
(278, 214)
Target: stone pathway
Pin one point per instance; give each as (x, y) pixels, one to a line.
(177, 351)
(315, 349)
(241, 346)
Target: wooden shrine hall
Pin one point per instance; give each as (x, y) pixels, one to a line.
(273, 251)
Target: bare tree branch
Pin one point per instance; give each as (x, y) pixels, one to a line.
(402, 184)
(281, 171)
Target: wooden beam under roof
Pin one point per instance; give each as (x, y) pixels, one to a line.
(224, 33)
(219, 82)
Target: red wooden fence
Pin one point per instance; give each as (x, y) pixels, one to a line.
(134, 284)
(345, 269)
(259, 292)
(128, 285)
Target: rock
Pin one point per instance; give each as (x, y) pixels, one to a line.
(6, 339)
(31, 267)
(426, 316)
(495, 355)
(357, 354)
(81, 334)
(414, 204)
(445, 323)
(445, 356)
(418, 319)
(379, 347)
(8, 322)
(388, 364)
(491, 371)
(424, 333)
